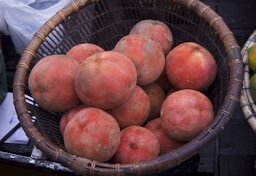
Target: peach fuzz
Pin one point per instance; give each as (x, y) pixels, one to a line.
(93, 134)
(137, 144)
(146, 54)
(186, 113)
(68, 116)
(82, 51)
(158, 30)
(167, 143)
(190, 66)
(105, 79)
(156, 96)
(52, 83)
(134, 111)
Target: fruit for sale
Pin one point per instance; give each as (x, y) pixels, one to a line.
(252, 58)
(157, 30)
(190, 66)
(163, 81)
(252, 86)
(146, 54)
(92, 133)
(185, 113)
(105, 79)
(68, 116)
(82, 51)
(134, 111)
(167, 143)
(51, 83)
(156, 96)
(137, 144)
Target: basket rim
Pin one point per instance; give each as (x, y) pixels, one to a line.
(247, 103)
(165, 161)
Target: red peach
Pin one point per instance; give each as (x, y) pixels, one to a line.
(185, 113)
(156, 96)
(167, 144)
(190, 66)
(137, 144)
(93, 134)
(82, 51)
(163, 81)
(134, 111)
(145, 53)
(105, 79)
(68, 116)
(51, 83)
(158, 30)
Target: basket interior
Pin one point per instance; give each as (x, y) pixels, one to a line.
(105, 22)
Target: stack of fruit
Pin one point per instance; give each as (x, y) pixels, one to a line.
(142, 99)
(252, 66)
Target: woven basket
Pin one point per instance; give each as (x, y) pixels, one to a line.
(104, 22)
(247, 104)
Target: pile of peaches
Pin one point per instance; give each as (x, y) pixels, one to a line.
(130, 104)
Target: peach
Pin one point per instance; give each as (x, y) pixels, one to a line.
(93, 134)
(190, 66)
(145, 53)
(134, 111)
(158, 30)
(156, 96)
(68, 116)
(51, 83)
(186, 113)
(137, 144)
(163, 81)
(105, 79)
(82, 51)
(167, 144)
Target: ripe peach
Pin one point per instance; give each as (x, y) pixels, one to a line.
(68, 116)
(145, 53)
(51, 83)
(105, 79)
(134, 111)
(137, 144)
(156, 96)
(163, 81)
(185, 113)
(82, 51)
(92, 133)
(190, 66)
(166, 143)
(158, 30)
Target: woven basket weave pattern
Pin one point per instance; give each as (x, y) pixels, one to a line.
(247, 103)
(104, 23)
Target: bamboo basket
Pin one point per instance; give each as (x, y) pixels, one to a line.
(247, 104)
(104, 22)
